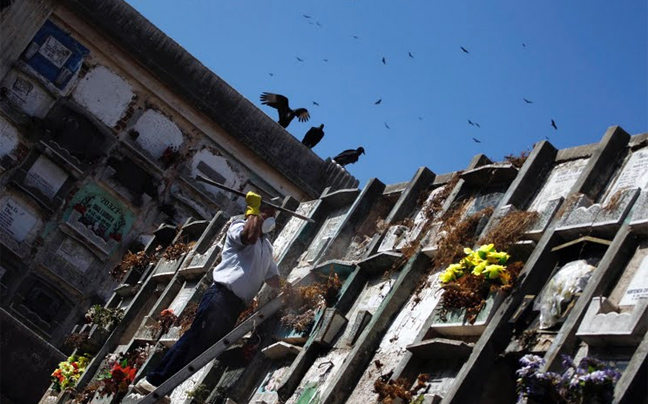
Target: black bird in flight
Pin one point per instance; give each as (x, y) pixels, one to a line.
(523, 45)
(477, 125)
(348, 156)
(464, 49)
(298, 58)
(307, 16)
(378, 102)
(271, 74)
(553, 123)
(527, 101)
(313, 136)
(387, 126)
(471, 122)
(326, 60)
(384, 61)
(286, 114)
(356, 37)
(476, 140)
(410, 55)
(315, 103)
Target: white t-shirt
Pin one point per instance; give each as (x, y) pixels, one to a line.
(244, 268)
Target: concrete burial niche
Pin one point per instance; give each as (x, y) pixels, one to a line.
(595, 218)
(26, 94)
(457, 324)
(620, 319)
(156, 133)
(20, 222)
(105, 94)
(74, 138)
(398, 235)
(54, 56)
(558, 184)
(607, 215)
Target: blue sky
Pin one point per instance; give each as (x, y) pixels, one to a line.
(582, 63)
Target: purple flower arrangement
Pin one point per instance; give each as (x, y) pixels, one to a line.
(591, 381)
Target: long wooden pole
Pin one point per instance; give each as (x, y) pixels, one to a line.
(234, 191)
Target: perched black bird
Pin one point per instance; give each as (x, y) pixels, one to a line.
(384, 61)
(410, 55)
(315, 103)
(313, 136)
(286, 114)
(464, 49)
(553, 123)
(476, 140)
(378, 102)
(348, 156)
(527, 101)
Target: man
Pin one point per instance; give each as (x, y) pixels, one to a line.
(247, 262)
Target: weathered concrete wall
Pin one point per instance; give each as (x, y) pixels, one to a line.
(205, 91)
(18, 22)
(22, 349)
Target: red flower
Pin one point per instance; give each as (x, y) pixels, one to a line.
(80, 208)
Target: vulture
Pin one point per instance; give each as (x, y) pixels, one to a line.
(286, 114)
(313, 136)
(348, 156)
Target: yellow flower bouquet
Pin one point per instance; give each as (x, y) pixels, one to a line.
(466, 284)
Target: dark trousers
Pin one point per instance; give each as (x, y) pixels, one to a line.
(216, 317)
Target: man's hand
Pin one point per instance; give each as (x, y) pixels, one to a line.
(253, 204)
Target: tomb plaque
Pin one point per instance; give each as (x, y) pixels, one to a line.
(54, 51)
(634, 173)
(182, 298)
(20, 91)
(46, 176)
(560, 181)
(638, 287)
(325, 234)
(485, 201)
(16, 221)
(8, 137)
(75, 254)
(290, 230)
